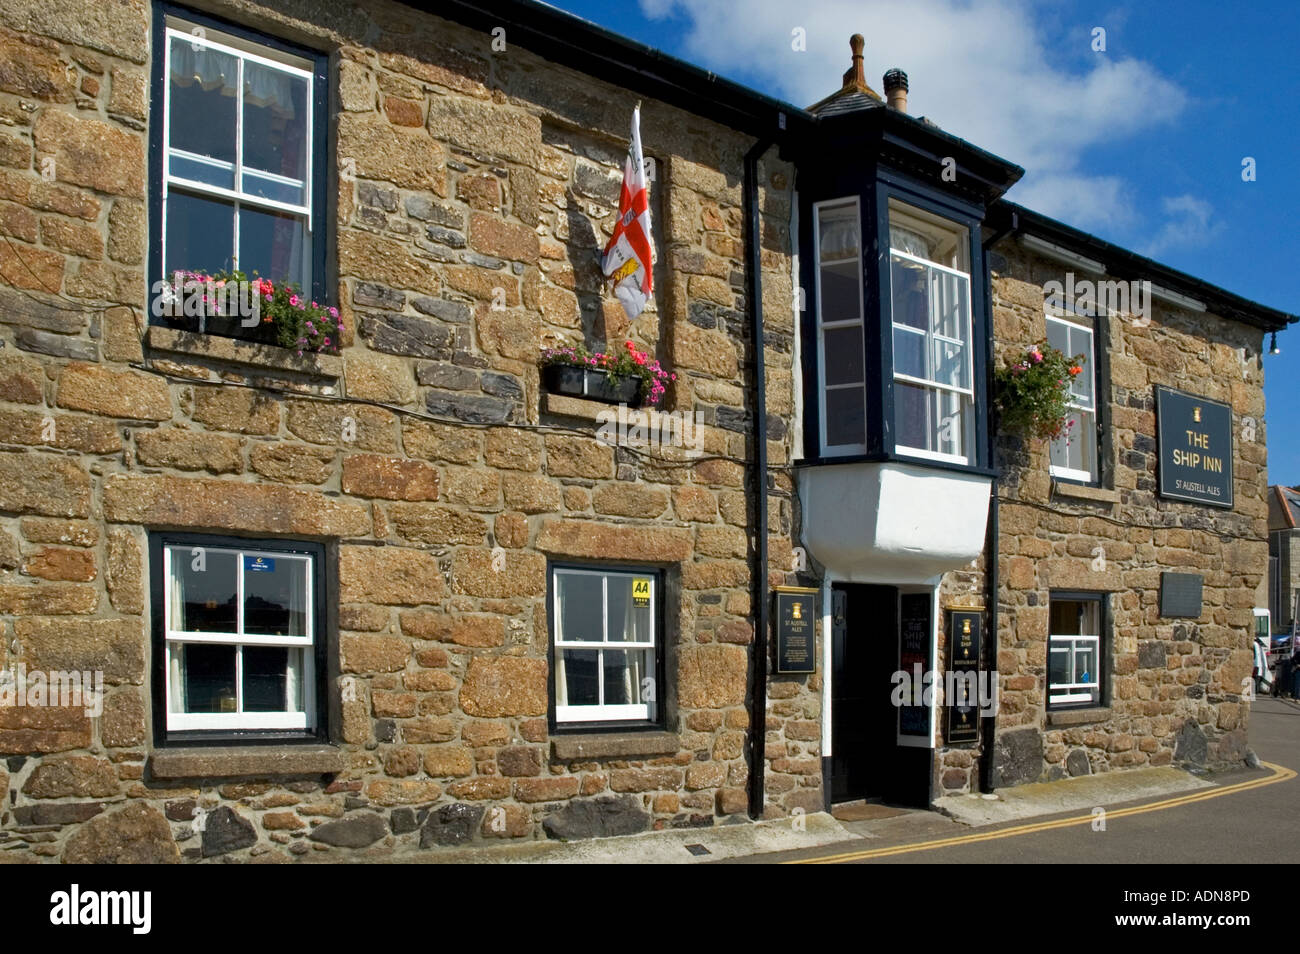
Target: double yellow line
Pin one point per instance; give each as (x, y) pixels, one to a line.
(1280, 774)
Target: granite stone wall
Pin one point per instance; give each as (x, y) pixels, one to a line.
(1173, 689)
(473, 189)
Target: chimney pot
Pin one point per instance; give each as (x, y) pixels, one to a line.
(895, 83)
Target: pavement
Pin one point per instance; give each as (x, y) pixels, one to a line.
(1073, 794)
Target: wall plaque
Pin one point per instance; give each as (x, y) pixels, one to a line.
(796, 629)
(964, 662)
(1180, 595)
(1195, 439)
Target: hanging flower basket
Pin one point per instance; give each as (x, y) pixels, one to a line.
(1032, 393)
(630, 378)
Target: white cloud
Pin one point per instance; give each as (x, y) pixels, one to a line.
(1002, 74)
(1189, 223)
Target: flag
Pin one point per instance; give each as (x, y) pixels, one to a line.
(628, 256)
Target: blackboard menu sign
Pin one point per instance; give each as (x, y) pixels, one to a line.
(796, 631)
(915, 627)
(964, 661)
(1195, 436)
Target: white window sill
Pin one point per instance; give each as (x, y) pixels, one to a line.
(930, 455)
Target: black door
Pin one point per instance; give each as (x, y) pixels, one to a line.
(864, 656)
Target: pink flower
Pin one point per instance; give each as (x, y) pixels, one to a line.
(334, 312)
(293, 300)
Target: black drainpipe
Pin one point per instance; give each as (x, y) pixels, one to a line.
(988, 729)
(753, 295)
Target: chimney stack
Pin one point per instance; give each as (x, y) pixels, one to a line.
(896, 90)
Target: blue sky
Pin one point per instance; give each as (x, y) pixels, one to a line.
(1141, 144)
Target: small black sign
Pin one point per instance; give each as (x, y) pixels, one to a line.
(964, 663)
(796, 631)
(914, 658)
(1195, 436)
(1180, 595)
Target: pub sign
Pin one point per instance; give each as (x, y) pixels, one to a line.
(964, 661)
(796, 630)
(1195, 440)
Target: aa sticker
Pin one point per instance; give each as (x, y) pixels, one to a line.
(640, 591)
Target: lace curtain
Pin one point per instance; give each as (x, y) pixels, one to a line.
(263, 86)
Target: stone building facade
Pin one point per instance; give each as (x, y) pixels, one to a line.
(1173, 690)
(433, 501)
(471, 193)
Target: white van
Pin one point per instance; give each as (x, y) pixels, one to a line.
(1262, 644)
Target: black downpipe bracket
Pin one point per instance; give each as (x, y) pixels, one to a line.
(988, 728)
(754, 298)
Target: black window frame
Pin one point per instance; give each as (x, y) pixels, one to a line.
(323, 287)
(874, 187)
(325, 629)
(662, 703)
(1105, 645)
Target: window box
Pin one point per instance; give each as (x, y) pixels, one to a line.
(239, 636)
(573, 381)
(607, 657)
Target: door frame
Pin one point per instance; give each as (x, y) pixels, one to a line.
(828, 671)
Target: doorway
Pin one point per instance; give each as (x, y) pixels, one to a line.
(866, 760)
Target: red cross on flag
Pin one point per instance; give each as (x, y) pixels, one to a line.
(628, 256)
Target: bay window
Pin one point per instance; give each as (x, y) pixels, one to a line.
(931, 325)
(840, 326)
(896, 326)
